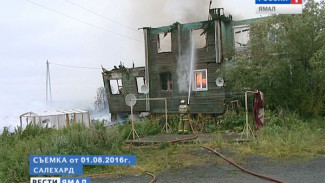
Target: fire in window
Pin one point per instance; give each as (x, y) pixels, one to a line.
(166, 81)
(199, 37)
(140, 83)
(116, 86)
(200, 80)
(164, 42)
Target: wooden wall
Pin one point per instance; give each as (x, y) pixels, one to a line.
(117, 101)
(210, 101)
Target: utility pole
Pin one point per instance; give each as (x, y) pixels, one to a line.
(48, 83)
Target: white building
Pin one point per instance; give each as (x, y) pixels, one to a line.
(55, 119)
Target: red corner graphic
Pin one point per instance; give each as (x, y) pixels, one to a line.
(296, 2)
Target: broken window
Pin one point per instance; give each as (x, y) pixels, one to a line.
(116, 86)
(273, 33)
(164, 42)
(241, 36)
(140, 83)
(199, 37)
(166, 81)
(272, 37)
(200, 80)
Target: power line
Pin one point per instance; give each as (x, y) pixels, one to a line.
(81, 21)
(73, 66)
(102, 16)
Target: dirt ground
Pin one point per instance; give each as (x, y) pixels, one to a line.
(290, 171)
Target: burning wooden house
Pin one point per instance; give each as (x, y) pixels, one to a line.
(182, 62)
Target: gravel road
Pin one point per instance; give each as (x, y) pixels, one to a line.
(292, 171)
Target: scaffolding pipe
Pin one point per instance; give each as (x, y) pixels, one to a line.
(166, 126)
(247, 128)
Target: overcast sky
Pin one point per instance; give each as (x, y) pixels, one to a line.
(66, 32)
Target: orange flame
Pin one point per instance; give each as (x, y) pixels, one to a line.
(198, 79)
(204, 81)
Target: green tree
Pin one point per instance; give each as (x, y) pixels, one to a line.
(287, 61)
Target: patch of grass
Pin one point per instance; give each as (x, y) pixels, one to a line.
(171, 157)
(159, 160)
(144, 127)
(77, 139)
(285, 137)
(232, 121)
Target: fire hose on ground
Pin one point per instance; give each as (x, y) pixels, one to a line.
(153, 177)
(220, 155)
(241, 168)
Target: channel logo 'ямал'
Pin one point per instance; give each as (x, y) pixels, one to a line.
(278, 6)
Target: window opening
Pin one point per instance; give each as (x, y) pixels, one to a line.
(272, 37)
(164, 42)
(166, 81)
(199, 37)
(116, 86)
(200, 80)
(140, 83)
(241, 36)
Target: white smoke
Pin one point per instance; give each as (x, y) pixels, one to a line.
(185, 66)
(14, 108)
(166, 12)
(187, 11)
(158, 13)
(183, 72)
(11, 110)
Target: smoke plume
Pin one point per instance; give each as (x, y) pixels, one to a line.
(183, 72)
(185, 66)
(166, 12)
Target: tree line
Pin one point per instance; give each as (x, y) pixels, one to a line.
(286, 61)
